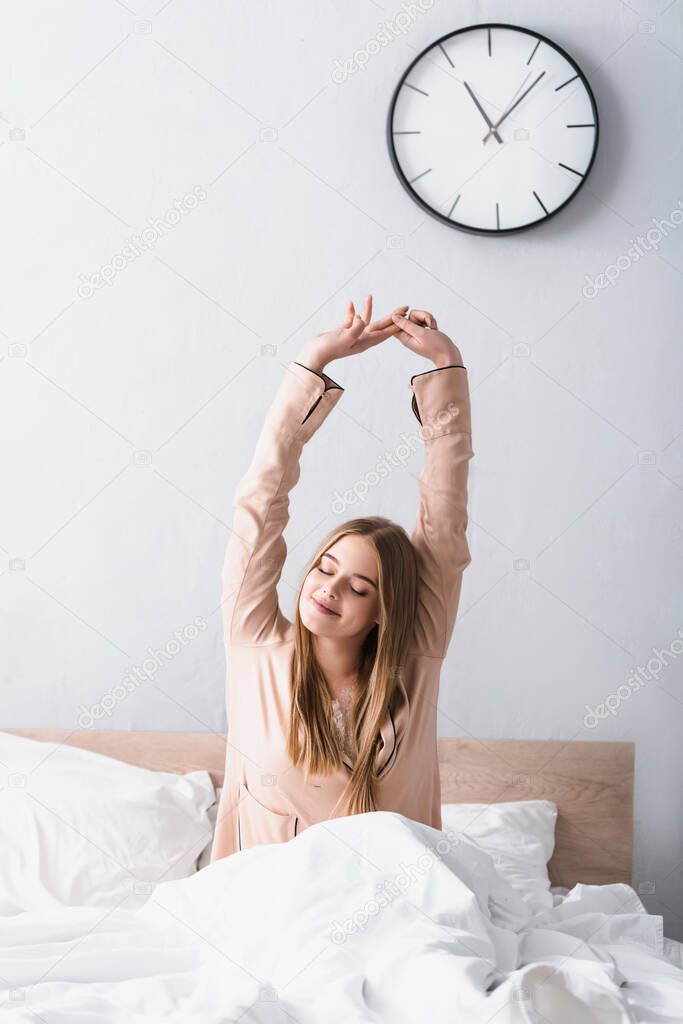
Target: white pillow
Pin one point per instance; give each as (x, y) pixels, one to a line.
(79, 828)
(520, 838)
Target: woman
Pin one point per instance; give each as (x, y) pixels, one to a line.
(335, 713)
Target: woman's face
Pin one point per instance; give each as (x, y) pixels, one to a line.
(345, 580)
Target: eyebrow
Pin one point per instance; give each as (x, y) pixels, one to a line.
(367, 579)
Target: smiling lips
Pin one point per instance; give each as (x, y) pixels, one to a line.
(323, 608)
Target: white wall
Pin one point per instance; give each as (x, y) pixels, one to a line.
(109, 117)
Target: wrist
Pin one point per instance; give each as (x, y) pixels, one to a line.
(309, 358)
(449, 358)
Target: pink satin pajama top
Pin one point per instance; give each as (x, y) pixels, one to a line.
(265, 798)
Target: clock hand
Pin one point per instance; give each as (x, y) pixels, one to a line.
(509, 111)
(483, 113)
(510, 101)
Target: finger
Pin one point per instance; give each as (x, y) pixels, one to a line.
(399, 311)
(367, 315)
(413, 330)
(422, 316)
(356, 328)
(374, 337)
(348, 315)
(399, 314)
(386, 323)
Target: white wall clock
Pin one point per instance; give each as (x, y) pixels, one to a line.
(493, 129)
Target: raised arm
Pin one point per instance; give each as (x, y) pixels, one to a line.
(256, 549)
(441, 403)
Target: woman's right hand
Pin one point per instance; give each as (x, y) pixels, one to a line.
(420, 333)
(356, 334)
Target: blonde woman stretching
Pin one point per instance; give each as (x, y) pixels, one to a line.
(335, 713)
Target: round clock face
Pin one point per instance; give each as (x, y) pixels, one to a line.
(493, 128)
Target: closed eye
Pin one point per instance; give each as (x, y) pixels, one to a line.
(358, 593)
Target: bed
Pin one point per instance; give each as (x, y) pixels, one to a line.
(270, 934)
(591, 783)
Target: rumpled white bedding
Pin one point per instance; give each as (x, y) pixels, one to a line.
(364, 918)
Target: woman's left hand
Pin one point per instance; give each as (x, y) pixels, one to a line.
(419, 332)
(356, 334)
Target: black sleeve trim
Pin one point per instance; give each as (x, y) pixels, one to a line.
(313, 407)
(436, 370)
(329, 383)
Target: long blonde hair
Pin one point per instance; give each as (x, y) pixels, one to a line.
(311, 739)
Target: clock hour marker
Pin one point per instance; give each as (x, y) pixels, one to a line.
(409, 86)
(489, 34)
(455, 203)
(592, 125)
(420, 175)
(572, 169)
(446, 56)
(413, 133)
(533, 51)
(557, 89)
(540, 203)
(497, 218)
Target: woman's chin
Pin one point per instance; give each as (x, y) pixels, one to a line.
(315, 622)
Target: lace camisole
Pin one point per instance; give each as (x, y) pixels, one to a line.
(341, 719)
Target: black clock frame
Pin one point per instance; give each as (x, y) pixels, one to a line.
(418, 199)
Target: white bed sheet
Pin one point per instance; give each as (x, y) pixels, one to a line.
(365, 918)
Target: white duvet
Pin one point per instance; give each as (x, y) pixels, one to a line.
(365, 918)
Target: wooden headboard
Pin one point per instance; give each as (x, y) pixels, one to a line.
(590, 781)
